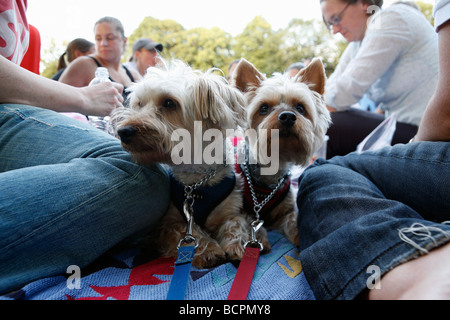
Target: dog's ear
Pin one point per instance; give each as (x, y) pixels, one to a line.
(218, 103)
(314, 75)
(246, 77)
(204, 98)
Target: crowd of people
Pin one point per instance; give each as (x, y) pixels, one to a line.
(386, 207)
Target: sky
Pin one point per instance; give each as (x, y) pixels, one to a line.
(71, 19)
(64, 21)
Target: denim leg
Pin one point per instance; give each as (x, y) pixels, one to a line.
(68, 193)
(355, 209)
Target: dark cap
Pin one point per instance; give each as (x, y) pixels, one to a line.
(148, 44)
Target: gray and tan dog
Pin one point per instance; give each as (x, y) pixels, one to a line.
(167, 109)
(294, 109)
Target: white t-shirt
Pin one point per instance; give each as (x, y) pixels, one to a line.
(396, 65)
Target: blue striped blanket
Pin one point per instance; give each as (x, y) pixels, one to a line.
(129, 274)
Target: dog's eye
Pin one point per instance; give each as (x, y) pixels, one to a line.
(264, 109)
(301, 109)
(169, 104)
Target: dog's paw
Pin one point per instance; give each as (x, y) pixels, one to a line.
(209, 256)
(234, 250)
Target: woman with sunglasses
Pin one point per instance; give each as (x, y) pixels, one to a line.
(391, 58)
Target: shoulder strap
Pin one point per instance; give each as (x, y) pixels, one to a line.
(128, 73)
(99, 65)
(96, 61)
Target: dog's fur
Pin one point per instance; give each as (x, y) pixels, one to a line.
(170, 98)
(295, 107)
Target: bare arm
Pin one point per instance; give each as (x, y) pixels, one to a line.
(435, 125)
(79, 73)
(18, 85)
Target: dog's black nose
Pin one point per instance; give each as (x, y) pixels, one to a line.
(287, 118)
(126, 133)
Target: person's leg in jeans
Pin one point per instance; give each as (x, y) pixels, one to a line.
(68, 193)
(371, 211)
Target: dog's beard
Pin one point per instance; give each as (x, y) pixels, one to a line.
(148, 145)
(150, 157)
(148, 154)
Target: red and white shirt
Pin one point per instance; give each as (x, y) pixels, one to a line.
(14, 29)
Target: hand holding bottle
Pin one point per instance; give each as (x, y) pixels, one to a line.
(103, 98)
(101, 78)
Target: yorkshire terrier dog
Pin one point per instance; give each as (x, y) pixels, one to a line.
(287, 113)
(178, 116)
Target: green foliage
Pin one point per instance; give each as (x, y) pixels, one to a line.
(269, 50)
(167, 32)
(49, 59)
(203, 48)
(427, 10)
(260, 45)
(305, 40)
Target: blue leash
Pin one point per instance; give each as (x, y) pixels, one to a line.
(180, 276)
(183, 263)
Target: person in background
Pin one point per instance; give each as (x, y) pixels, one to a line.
(231, 68)
(110, 42)
(68, 191)
(294, 68)
(392, 58)
(376, 225)
(144, 55)
(75, 49)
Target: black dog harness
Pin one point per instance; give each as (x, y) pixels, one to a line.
(205, 198)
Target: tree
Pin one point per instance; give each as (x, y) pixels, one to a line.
(50, 57)
(200, 47)
(260, 45)
(167, 32)
(204, 48)
(269, 50)
(427, 10)
(307, 39)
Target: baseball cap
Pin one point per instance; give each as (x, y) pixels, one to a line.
(148, 44)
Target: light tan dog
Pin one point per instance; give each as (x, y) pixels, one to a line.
(179, 117)
(292, 115)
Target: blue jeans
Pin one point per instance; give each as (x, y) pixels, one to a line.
(68, 193)
(363, 214)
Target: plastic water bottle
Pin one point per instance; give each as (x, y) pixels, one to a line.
(101, 75)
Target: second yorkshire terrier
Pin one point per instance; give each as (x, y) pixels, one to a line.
(168, 110)
(294, 108)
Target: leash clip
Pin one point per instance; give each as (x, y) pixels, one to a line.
(256, 225)
(187, 210)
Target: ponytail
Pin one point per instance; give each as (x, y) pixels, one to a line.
(62, 61)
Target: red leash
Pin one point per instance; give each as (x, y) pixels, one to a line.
(244, 276)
